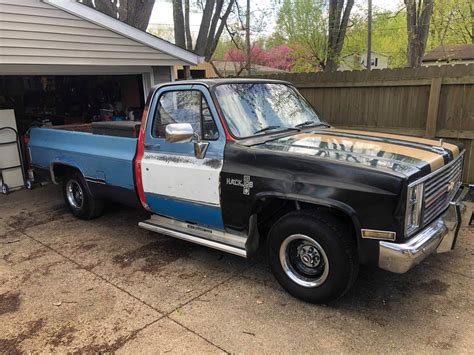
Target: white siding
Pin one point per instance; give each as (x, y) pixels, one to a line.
(32, 32)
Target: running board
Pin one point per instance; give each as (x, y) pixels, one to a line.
(197, 234)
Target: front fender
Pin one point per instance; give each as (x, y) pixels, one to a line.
(337, 205)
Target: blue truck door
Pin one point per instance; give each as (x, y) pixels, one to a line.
(177, 183)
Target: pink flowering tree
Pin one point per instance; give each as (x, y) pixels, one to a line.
(279, 57)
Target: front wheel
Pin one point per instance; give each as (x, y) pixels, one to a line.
(79, 199)
(312, 256)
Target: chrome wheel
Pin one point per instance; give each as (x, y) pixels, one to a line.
(304, 260)
(74, 194)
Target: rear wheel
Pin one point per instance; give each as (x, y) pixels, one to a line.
(78, 198)
(312, 256)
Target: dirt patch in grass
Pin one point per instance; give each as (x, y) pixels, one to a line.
(155, 255)
(9, 302)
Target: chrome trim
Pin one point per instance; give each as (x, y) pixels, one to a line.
(394, 234)
(427, 213)
(95, 181)
(234, 239)
(74, 194)
(194, 239)
(179, 132)
(439, 236)
(200, 149)
(289, 269)
(439, 171)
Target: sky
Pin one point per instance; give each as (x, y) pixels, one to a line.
(162, 15)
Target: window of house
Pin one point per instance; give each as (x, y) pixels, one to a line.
(188, 106)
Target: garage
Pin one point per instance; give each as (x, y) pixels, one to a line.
(63, 63)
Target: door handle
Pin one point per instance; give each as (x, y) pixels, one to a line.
(150, 146)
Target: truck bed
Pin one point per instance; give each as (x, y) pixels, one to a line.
(105, 161)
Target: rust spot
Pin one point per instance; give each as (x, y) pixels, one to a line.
(213, 163)
(9, 302)
(169, 158)
(154, 255)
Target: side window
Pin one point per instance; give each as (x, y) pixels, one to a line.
(187, 106)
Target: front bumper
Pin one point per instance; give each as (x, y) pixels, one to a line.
(439, 237)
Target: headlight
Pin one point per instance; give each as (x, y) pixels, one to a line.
(413, 211)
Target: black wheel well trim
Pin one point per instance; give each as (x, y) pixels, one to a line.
(337, 205)
(70, 166)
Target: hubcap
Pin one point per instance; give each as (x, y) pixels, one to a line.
(74, 194)
(304, 260)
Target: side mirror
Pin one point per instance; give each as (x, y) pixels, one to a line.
(179, 132)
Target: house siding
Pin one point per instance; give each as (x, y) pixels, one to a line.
(32, 32)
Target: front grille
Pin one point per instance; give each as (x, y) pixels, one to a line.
(440, 188)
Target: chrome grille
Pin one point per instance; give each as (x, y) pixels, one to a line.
(440, 188)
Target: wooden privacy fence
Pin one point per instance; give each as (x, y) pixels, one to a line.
(431, 102)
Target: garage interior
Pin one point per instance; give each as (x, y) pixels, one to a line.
(72, 100)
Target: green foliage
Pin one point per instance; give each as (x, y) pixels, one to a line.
(389, 36)
(224, 45)
(303, 24)
(451, 23)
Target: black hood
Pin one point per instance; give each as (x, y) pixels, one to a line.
(396, 153)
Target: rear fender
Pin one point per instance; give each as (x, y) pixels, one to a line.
(68, 165)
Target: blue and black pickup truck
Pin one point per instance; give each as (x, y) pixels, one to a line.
(235, 164)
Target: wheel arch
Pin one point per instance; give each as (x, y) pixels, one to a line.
(59, 170)
(337, 208)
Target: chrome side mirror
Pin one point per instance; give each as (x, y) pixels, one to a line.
(179, 132)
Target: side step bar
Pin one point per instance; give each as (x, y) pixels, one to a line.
(149, 225)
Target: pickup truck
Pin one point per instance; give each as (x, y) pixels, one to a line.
(247, 166)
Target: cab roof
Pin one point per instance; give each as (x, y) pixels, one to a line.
(218, 81)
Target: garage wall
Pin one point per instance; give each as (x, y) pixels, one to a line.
(32, 32)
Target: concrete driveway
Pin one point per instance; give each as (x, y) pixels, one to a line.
(106, 285)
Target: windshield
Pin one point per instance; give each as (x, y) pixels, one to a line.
(254, 108)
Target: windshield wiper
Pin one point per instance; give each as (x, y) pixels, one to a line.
(311, 124)
(268, 128)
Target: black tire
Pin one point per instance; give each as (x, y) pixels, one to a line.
(319, 262)
(5, 189)
(80, 201)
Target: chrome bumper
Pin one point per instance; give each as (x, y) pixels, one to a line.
(439, 237)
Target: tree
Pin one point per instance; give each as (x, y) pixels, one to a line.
(303, 24)
(418, 26)
(338, 22)
(452, 22)
(318, 27)
(214, 17)
(136, 13)
(178, 20)
(280, 57)
(389, 36)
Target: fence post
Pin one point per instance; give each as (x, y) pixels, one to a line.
(433, 105)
